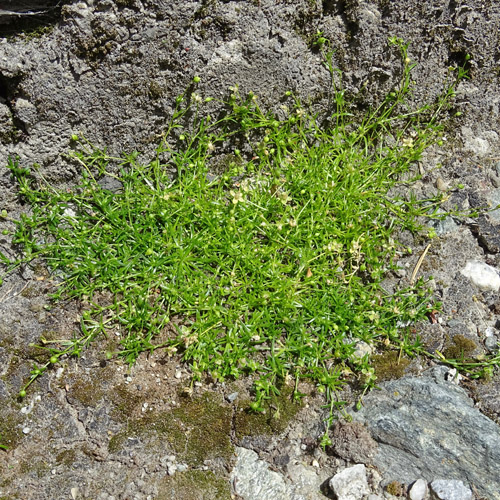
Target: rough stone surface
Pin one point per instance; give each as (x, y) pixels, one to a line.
(427, 425)
(351, 441)
(450, 490)
(111, 70)
(350, 484)
(252, 478)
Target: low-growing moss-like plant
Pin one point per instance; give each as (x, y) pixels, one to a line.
(271, 266)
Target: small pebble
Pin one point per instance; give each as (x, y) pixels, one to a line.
(490, 331)
(441, 184)
(482, 275)
(231, 397)
(26, 430)
(419, 489)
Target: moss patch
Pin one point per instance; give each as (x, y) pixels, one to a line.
(389, 365)
(460, 348)
(197, 431)
(194, 485)
(278, 412)
(204, 426)
(10, 433)
(66, 457)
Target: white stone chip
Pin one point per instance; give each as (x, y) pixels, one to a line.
(350, 484)
(482, 275)
(419, 490)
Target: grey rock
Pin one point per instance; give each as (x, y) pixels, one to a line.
(351, 441)
(350, 484)
(478, 144)
(493, 198)
(252, 478)
(6, 123)
(232, 397)
(450, 490)
(445, 226)
(488, 234)
(305, 482)
(424, 425)
(26, 113)
(491, 343)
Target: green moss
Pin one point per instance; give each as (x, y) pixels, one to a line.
(30, 292)
(194, 485)
(127, 404)
(460, 348)
(66, 457)
(85, 392)
(279, 411)
(117, 441)
(36, 33)
(155, 90)
(35, 466)
(395, 488)
(389, 365)
(125, 3)
(225, 164)
(10, 433)
(204, 426)
(197, 431)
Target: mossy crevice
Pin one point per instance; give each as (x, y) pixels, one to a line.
(389, 365)
(461, 347)
(278, 412)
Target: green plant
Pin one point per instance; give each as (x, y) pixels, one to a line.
(269, 263)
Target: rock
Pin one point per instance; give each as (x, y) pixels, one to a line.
(362, 349)
(488, 234)
(491, 343)
(305, 482)
(252, 478)
(450, 490)
(350, 484)
(232, 397)
(445, 226)
(493, 198)
(6, 123)
(482, 275)
(418, 490)
(480, 145)
(351, 441)
(441, 184)
(424, 425)
(26, 113)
